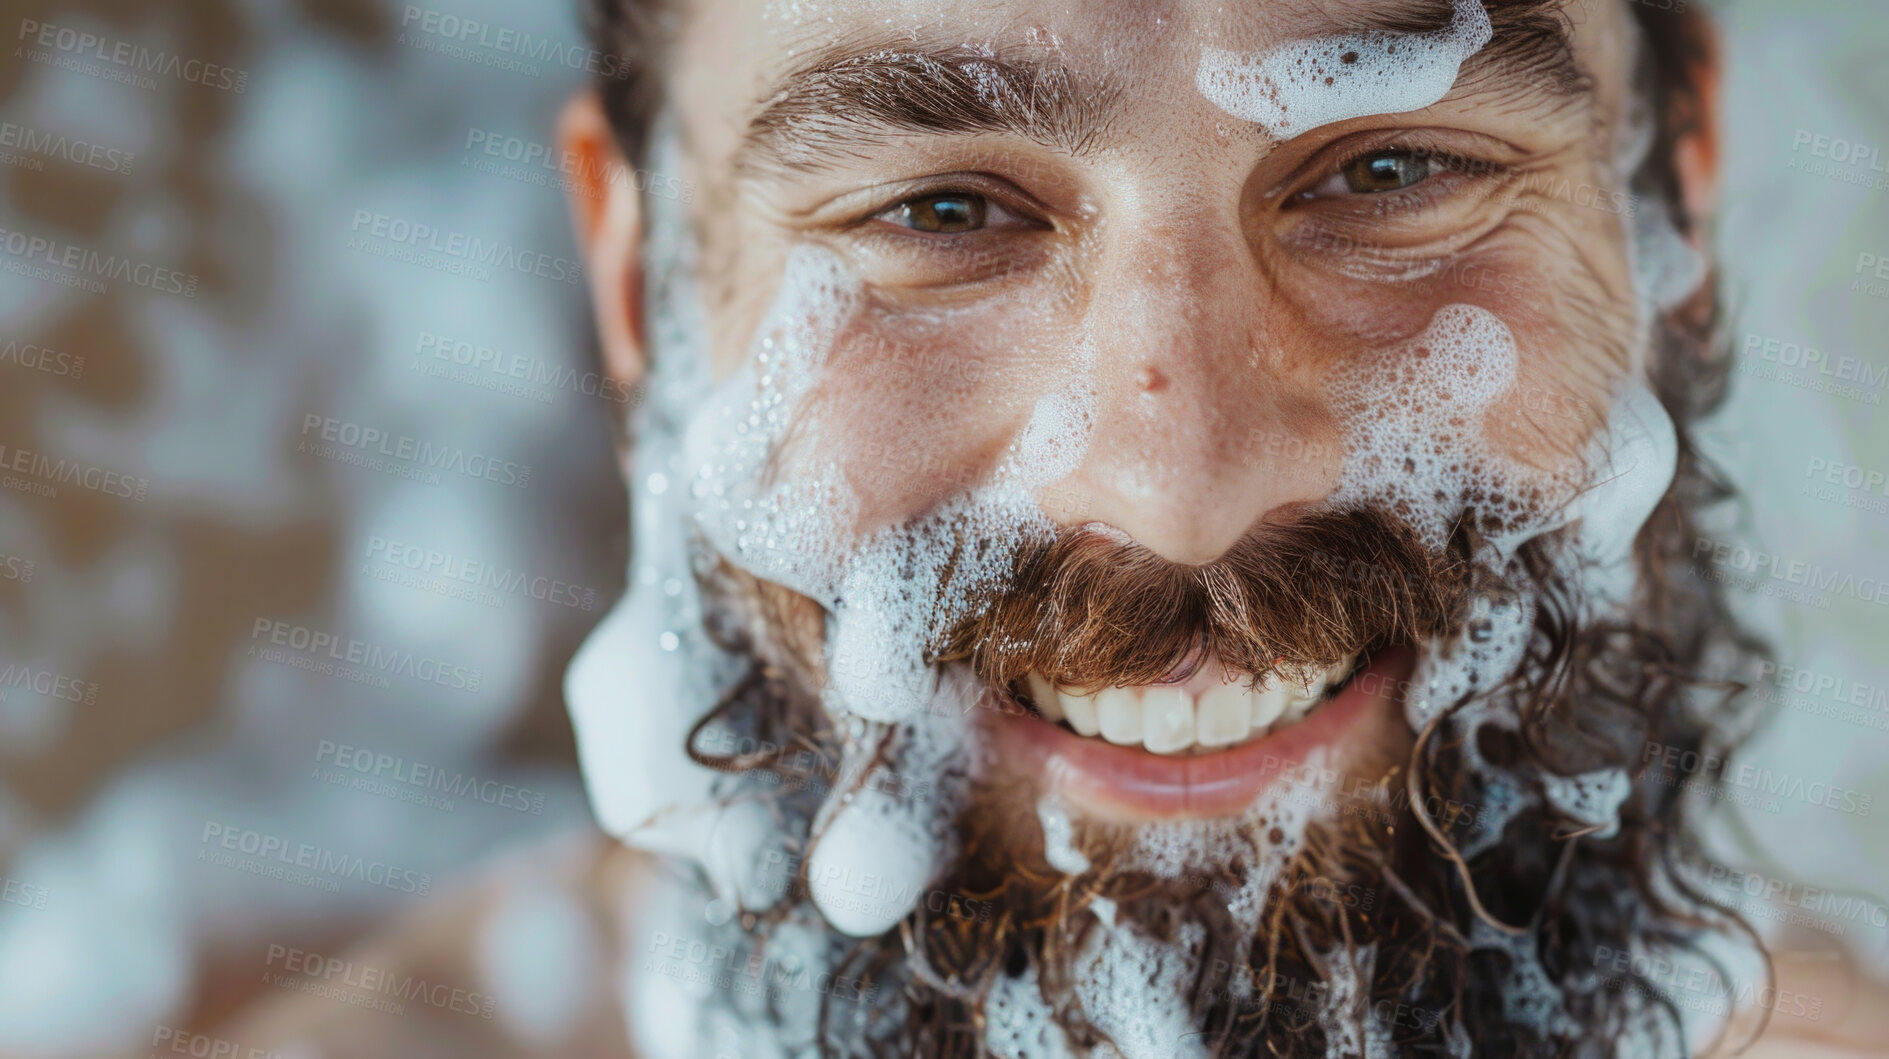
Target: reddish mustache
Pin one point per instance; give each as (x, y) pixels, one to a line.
(1088, 611)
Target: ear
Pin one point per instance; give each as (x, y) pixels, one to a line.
(608, 217)
(1696, 141)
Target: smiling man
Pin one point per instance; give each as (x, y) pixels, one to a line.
(1160, 531)
(1161, 528)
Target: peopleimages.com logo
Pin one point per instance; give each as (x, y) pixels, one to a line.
(46, 682)
(457, 253)
(461, 577)
(326, 652)
(373, 772)
(305, 863)
(501, 46)
(401, 456)
(124, 61)
(81, 266)
(44, 144)
(27, 471)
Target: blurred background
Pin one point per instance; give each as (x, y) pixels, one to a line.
(307, 492)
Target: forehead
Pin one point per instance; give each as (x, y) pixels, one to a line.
(735, 55)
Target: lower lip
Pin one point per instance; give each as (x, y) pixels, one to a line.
(1136, 784)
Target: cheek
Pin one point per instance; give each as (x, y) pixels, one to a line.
(1576, 342)
(1555, 285)
(914, 412)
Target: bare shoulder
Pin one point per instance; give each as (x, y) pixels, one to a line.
(521, 959)
(1823, 1007)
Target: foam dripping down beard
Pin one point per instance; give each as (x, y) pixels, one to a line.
(1064, 903)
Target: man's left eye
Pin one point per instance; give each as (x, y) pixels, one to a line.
(1392, 169)
(1386, 171)
(945, 213)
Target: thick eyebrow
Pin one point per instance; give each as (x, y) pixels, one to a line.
(1530, 58)
(847, 99)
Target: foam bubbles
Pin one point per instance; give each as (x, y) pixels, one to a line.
(869, 863)
(1593, 798)
(1630, 466)
(1131, 988)
(1415, 427)
(792, 532)
(1019, 1024)
(1299, 86)
(1059, 847)
(1130, 984)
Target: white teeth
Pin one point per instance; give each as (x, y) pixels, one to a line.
(1269, 702)
(1079, 711)
(1300, 700)
(1167, 719)
(1224, 715)
(1119, 712)
(1047, 700)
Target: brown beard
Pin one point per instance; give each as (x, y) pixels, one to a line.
(1369, 892)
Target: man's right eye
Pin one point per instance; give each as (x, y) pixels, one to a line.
(945, 213)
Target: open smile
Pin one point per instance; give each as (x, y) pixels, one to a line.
(1207, 747)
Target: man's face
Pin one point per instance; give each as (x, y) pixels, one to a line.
(1188, 387)
(1243, 301)
(1217, 284)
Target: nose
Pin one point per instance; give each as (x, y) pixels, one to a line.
(1210, 408)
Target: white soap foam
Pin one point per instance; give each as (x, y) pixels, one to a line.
(1352, 1027)
(1529, 997)
(871, 864)
(886, 595)
(1593, 798)
(1299, 86)
(1019, 1024)
(1630, 466)
(648, 672)
(1133, 975)
(1416, 441)
(1132, 987)
(794, 531)
(894, 596)
(1414, 424)
(877, 853)
(745, 855)
(1059, 847)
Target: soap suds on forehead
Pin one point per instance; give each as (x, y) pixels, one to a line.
(1301, 85)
